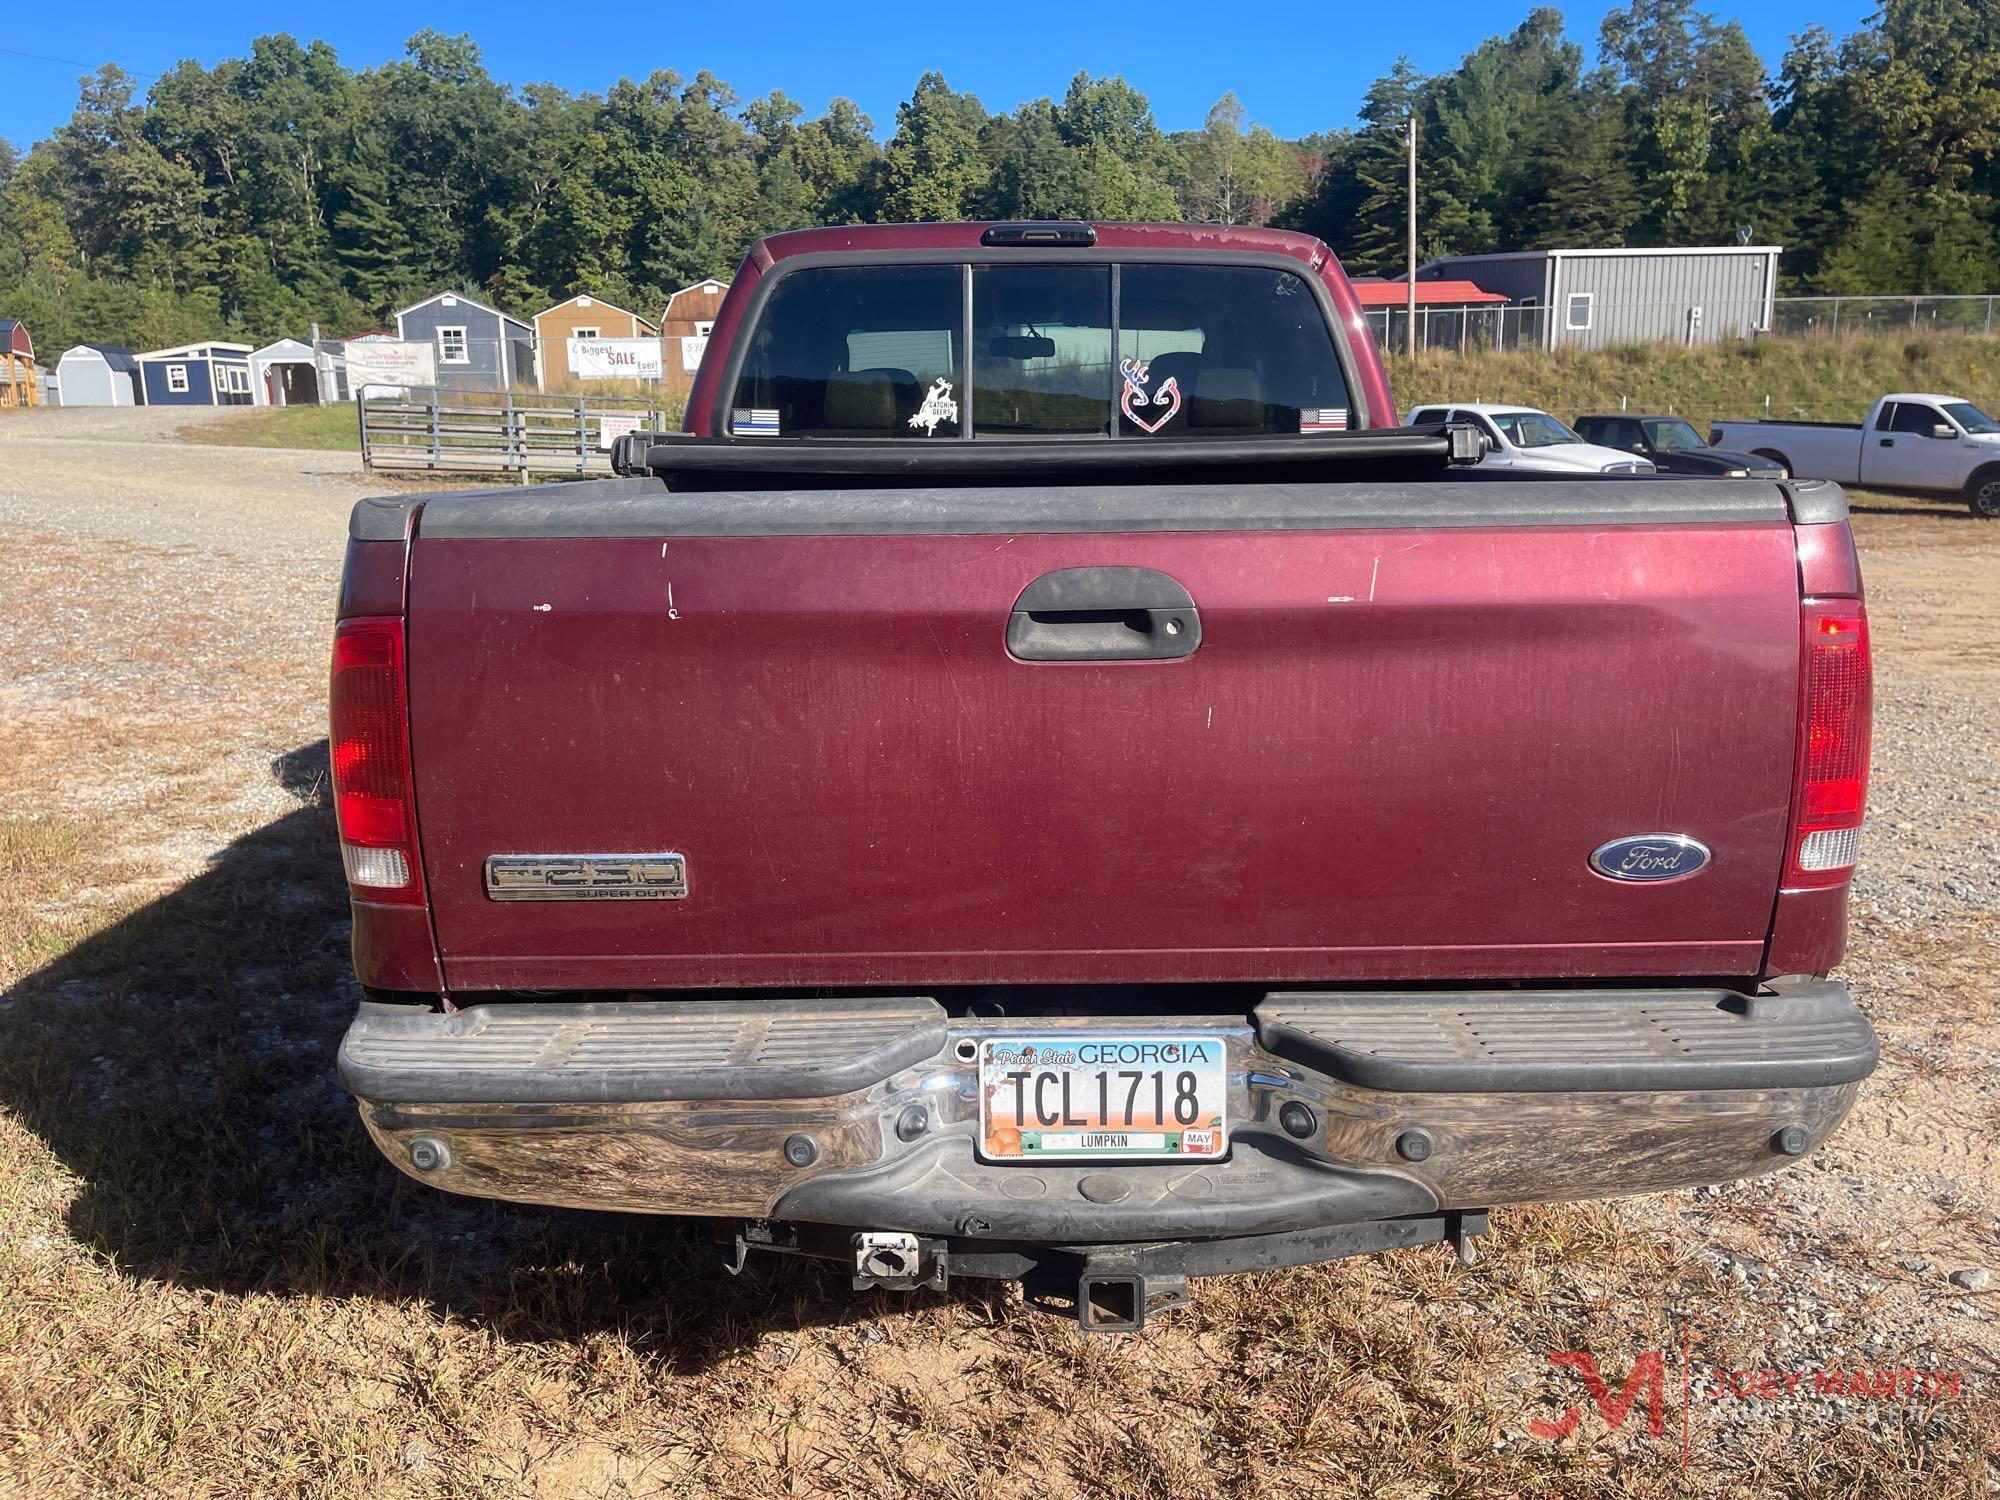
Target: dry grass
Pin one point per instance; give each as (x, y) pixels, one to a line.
(39, 859)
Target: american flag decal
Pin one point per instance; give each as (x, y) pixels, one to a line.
(754, 421)
(1323, 419)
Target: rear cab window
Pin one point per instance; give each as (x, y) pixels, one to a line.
(1044, 348)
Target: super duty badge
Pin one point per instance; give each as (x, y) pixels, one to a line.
(586, 877)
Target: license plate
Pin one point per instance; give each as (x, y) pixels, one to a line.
(1102, 1096)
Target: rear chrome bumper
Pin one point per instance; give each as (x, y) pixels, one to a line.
(864, 1112)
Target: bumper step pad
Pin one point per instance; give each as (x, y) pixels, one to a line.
(632, 1050)
(1800, 1034)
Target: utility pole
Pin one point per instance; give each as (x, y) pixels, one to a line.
(1410, 271)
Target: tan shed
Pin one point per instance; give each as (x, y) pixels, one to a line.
(580, 318)
(684, 329)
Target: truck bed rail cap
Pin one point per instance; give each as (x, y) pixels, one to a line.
(386, 518)
(1816, 502)
(381, 518)
(644, 508)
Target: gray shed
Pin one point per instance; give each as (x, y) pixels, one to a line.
(479, 348)
(97, 375)
(1591, 298)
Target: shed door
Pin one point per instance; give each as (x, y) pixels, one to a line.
(299, 383)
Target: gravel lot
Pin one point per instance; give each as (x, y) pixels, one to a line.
(210, 1284)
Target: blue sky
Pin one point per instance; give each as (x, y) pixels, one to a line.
(1297, 67)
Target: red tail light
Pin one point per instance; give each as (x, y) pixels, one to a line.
(1833, 752)
(372, 799)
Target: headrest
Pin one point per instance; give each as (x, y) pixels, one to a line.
(861, 401)
(1227, 398)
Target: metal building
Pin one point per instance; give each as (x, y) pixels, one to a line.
(1591, 298)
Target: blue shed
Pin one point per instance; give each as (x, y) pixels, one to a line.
(478, 348)
(208, 374)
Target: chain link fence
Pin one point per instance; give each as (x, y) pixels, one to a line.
(1508, 326)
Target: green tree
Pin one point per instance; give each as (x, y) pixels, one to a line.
(1372, 241)
(933, 168)
(1689, 83)
(1592, 198)
(1234, 172)
(1484, 124)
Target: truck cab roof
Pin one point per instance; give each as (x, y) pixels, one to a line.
(864, 239)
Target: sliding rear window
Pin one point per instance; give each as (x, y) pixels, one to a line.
(1054, 349)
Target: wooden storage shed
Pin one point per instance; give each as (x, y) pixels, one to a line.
(581, 317)
(206, 374)
(97, 375)
(479, 348)
(18, 385)
(684, 329)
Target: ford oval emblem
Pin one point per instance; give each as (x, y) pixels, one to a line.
(1652, 857)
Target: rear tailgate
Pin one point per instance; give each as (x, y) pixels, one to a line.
(1414, 713)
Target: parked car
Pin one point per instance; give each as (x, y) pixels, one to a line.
(1523, 439)
(1673, 446)
(1914, 442)
(904, 834)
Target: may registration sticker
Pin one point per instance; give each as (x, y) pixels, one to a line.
(1102, 1096)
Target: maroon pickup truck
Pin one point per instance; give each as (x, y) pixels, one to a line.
(1044, 779)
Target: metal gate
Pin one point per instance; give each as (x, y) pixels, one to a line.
(425, 428)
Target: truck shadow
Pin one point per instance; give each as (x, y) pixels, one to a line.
(181, 1065)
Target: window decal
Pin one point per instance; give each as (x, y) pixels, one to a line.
(938, 407)
(1135, 394)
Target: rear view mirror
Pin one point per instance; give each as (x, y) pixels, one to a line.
(1944, 430)
(1021, 346)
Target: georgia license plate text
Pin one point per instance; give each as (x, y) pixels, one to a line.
(1074, 1096)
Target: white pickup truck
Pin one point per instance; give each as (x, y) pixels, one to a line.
(1913, 441)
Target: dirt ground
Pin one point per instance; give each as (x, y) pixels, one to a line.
(210, 1284)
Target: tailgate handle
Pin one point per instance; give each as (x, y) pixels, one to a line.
(1103, 614)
